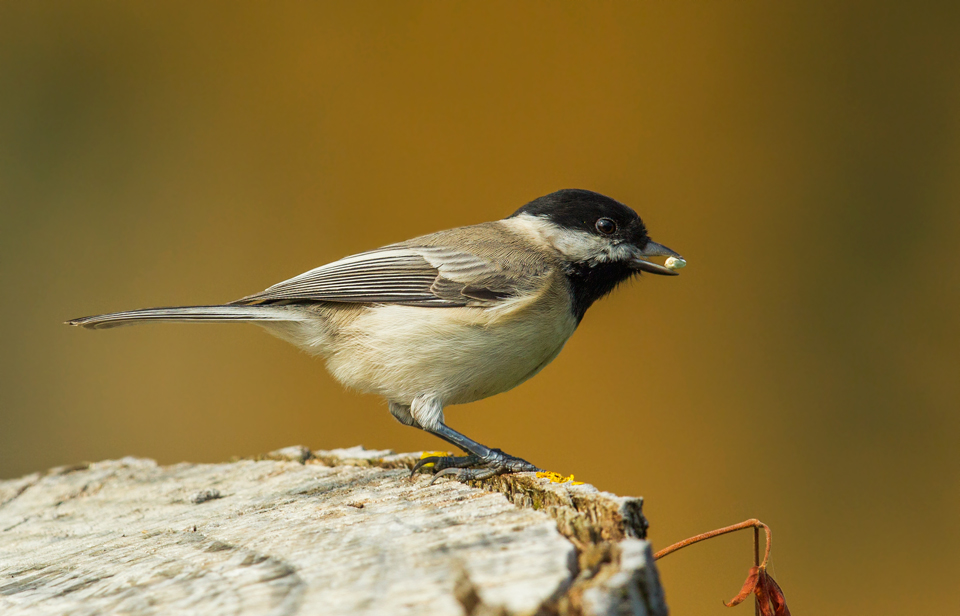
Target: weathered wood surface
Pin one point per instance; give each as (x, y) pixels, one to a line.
(328, 532)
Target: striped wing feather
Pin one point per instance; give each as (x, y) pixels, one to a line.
(426, 276)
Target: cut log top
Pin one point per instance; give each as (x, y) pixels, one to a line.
(326, 532)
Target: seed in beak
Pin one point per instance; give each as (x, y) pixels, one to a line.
(675, 263)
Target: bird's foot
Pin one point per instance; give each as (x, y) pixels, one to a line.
(472, 467)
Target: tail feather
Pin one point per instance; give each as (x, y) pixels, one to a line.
(187, 314)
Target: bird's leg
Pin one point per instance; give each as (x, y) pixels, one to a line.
(426, 413)
(403, 414)
(481, 463)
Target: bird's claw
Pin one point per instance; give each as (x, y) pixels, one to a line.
(472, 467)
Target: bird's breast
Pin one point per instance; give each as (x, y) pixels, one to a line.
(459, 354)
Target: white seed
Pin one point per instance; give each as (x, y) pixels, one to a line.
(675, 263)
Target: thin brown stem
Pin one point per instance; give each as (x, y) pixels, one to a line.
(756, 563)
(752, 523)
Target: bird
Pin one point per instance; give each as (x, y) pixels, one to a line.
(450, 317)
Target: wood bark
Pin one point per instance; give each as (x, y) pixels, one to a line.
(327, 532)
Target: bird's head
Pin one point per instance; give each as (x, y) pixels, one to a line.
(591, 230)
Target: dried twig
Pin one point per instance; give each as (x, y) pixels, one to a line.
(769, 600)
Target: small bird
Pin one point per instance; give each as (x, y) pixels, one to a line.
(453, 316)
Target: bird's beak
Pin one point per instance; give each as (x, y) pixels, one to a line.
(653, 249)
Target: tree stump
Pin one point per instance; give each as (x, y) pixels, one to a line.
(327, 532)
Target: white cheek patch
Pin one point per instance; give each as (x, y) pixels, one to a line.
(580, 246)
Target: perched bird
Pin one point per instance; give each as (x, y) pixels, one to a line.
(453, 316)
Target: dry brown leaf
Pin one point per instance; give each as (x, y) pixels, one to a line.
(749, 586)
(773, 595)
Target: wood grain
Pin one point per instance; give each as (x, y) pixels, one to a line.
(327, 532)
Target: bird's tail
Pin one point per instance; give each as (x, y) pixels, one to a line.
(189, 314)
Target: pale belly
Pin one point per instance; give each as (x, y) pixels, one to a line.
(456, 354)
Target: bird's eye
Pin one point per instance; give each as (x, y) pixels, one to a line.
(606, 226)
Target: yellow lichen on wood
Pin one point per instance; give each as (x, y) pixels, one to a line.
(558, 478)
(433, 454)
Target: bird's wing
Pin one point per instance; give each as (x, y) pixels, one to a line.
(399, 274)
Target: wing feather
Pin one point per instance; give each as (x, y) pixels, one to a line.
(420, 276)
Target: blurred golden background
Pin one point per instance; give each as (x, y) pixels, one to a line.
(804, 158)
